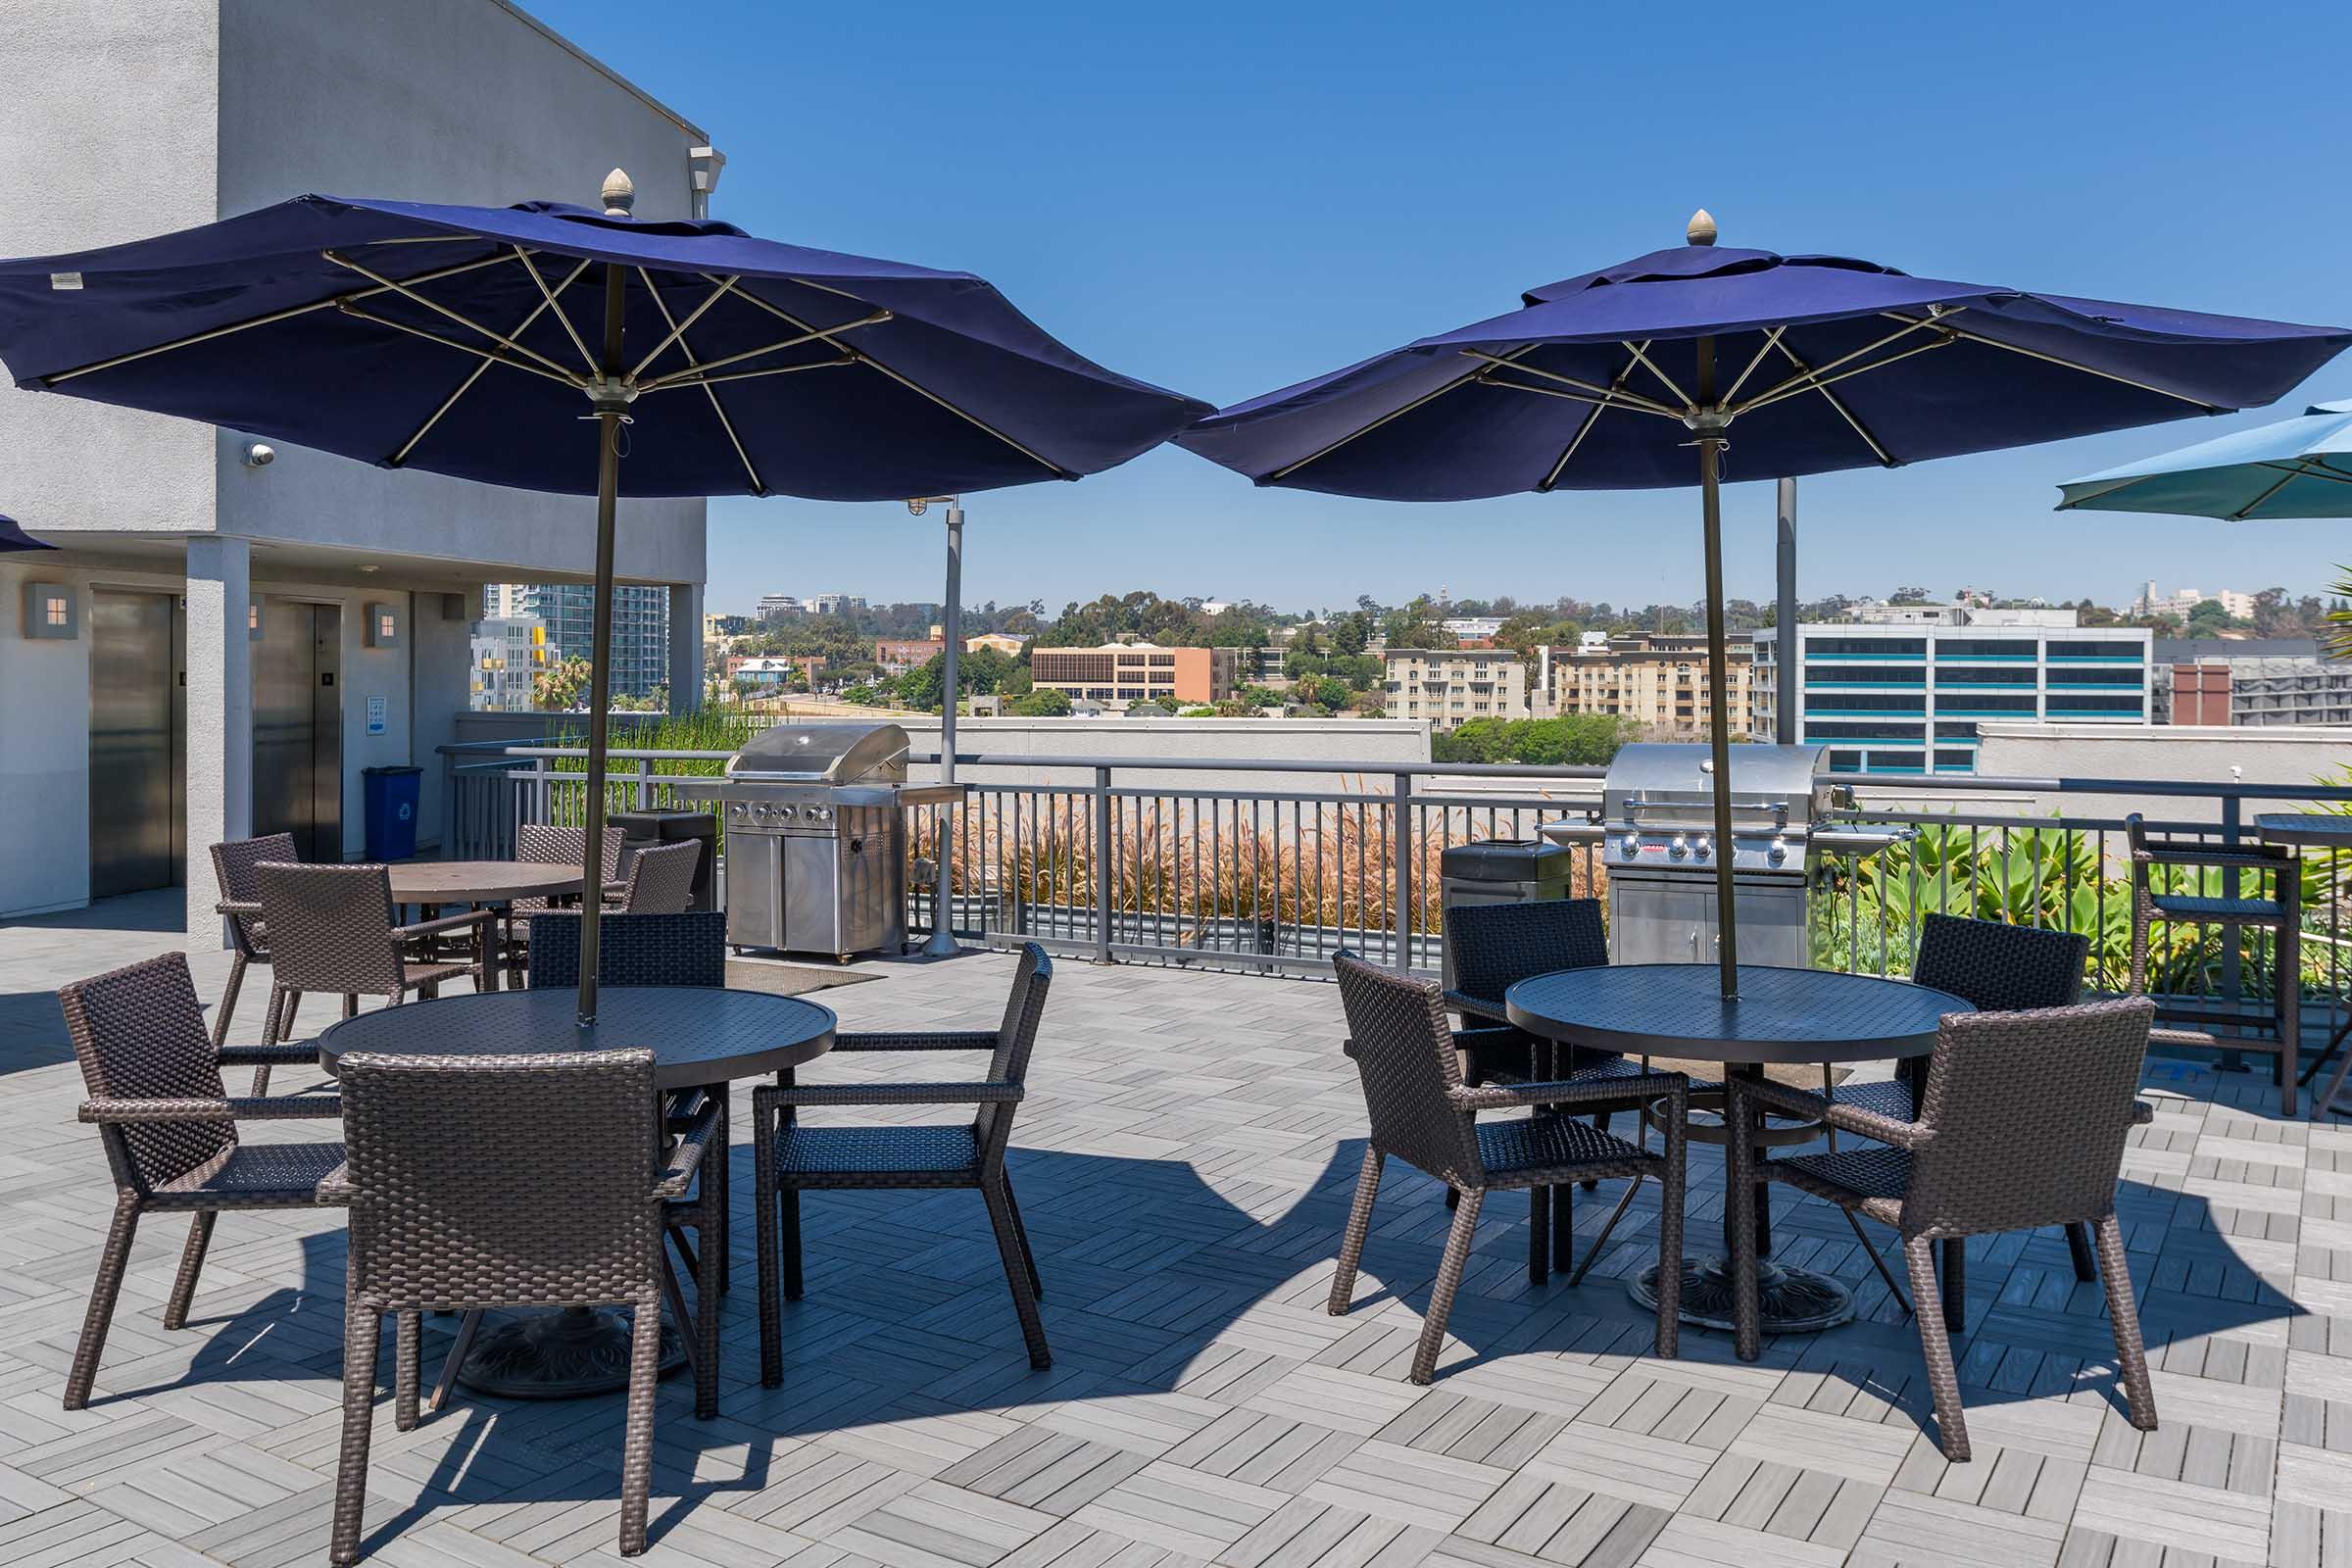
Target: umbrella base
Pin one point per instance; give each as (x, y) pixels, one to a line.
(564, 1354)
(1789, 1301)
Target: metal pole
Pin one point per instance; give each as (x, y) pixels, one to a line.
(1103, 865)
(943, 923)
(1708, 423)
(1400, 840)
(610, 406)
(1784, 628)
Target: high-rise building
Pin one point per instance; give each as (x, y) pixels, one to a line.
(1450, 687)
(1907, 699)
(1655, 679)
(640, 626)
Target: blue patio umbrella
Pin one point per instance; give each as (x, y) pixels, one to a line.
(14, 537)
(474, 341)
(2300, 467)
(1771, 365)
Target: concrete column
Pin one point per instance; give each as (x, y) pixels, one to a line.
(685, 647)
(219, 797)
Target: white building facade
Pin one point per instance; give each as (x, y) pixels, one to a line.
(317, 610)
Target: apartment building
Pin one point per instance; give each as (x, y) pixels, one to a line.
(1136, 672)
(1011, 647)
(1657, 680)
(508, 652)
(907, 653)
(1907, 699)
(641, 650)
(2256, 682)
(2235, 603)
(1450, 687)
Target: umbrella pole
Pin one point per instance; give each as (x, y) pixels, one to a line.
(608, 412)
(1708, 425)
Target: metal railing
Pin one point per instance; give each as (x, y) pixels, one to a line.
(1278, 879)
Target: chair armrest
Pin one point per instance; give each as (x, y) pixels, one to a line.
(275, 1107)
(2255, 858)
(686, 1155)
(1471, 1006)
(1615, 1089)
(1814, 1108)
(237, 906)
(933, 1040)
(767, 1098)
(284, 1053)
(447, 922)
(335, 1187)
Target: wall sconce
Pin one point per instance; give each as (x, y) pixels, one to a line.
(384, 625)
(253, 620)
(50, 611)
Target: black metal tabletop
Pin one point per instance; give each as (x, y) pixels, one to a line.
(2316, 829)
(698, 1034)
(1782, 1015)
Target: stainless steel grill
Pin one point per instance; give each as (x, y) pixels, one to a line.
(816, 847)
(1656, 832)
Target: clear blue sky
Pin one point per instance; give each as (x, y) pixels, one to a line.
(1227, 197)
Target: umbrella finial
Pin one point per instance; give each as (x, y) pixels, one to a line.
(1701, 230)
(620, 194)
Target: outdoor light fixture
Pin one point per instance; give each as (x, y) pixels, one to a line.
(384, 625)
(49, 612)
(260, 454)
(253, 620)
(702, 165)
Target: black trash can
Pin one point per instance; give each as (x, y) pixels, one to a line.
(643, 831)
(389, 797)
(1501, 871)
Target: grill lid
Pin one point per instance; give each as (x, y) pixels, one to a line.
(1663, 786)
(822, 754)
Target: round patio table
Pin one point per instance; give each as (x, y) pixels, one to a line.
(432, 883)
(1802, 1016)
(701, 1037)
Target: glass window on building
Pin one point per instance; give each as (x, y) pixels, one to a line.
(2102, 648)
(1871, 647)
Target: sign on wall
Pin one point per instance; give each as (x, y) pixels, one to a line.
(377, 715)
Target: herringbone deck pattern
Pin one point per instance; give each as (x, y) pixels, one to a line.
(1184, 1168)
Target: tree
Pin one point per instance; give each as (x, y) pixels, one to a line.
(1044, 701)
(561, 686)
(1415, 626)
(1017, 682)
(1261, 697)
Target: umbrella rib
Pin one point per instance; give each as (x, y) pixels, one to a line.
(758, 485)
(464, 321)
(490, 355)
(911, 385)
(1772, 340)
(1585, 399)
(475, 375)
(1836, 402)
(2315, 468)
(269, 319)
(1806, 379)
(677, 328)
(1815, 382)
(1432, 395)
(587, 359)
(1624, 399)
(671, 383)
(1583, 431)
(1651, 365)
(701, 373)
(2070, 364)
(2247, 511)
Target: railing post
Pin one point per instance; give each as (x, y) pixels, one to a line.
(2232, 935)
(645, 783)
(1103, 865)
(1401, 903)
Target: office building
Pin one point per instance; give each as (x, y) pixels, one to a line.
(1907, 699)
(771, 606)
(1011, 647)
(716, 627)
(2253, 683)
(1654, 679)
(1471, 628)
(1136, 672)
(907, 653)
(1450, 687)
(508, 652)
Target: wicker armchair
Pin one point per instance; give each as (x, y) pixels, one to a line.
(2021, 1126)
(661, 880)
(169, 1131)
(791, 1157)
(571, 1216)
(331, 929)
(541, 844)
(1423, 1113)
(249, 942)
(2279, 911)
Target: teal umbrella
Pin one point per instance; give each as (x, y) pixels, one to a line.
(2295, 469)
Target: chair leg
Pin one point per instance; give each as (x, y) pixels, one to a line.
(788, 1210)
(1935, 1345)
(1359, 1226)
(1563, 1225)
(1600, 1124)
(1600, 1243)
(459, 1349)
(718, 1181)
(229, 1000)
(705, 1404)
(1448, 1281)
(2078, 1244)
(1016, 1275)
(2289, 966)
(1539, 1232)
(351, 1003)
(1672, 1185)
(100, 1314)
(766, 1205)
(710, 1280)
(637, 1439)
(277, 1026)
(362, 1329)
(2122, 1315)
(1875, 1261)
(1955, 1283)
(406, 1345)
(191, 1265)
(1037, 1285)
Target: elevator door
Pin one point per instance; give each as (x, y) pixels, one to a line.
(139, 742)
(298, 726)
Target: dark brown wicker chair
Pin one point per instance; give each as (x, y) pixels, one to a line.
(449, 1212)
(169, 1131)
(661, 880)
(331, 929)
(249, 942)
(541, 844)
(2277, 909)
(791, 1157)
(2021, 1126)
(1424, 1114)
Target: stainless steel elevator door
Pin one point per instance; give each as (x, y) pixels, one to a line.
(139, 742)
(298, 726)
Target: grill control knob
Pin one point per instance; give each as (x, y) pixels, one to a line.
(1777, 850)
(1632, 846)
(1699, 846)
(1680, 848)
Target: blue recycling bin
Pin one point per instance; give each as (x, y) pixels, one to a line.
(389, 796)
